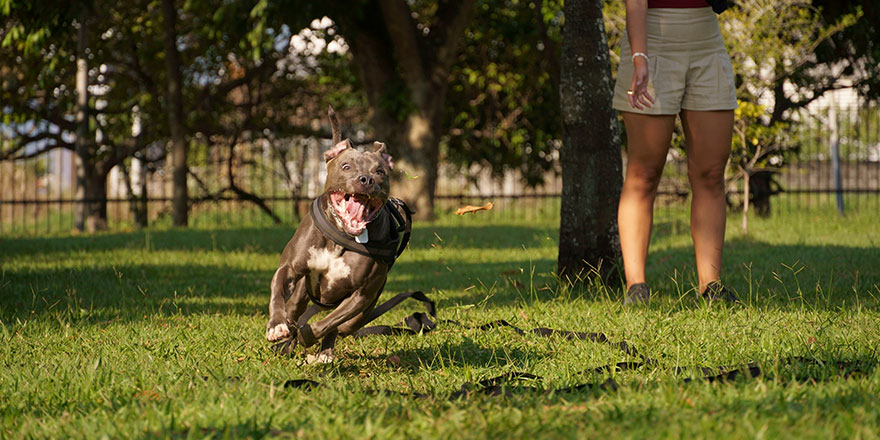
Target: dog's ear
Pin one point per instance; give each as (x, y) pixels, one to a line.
(334, 126)
(379, 148)
(338, 148)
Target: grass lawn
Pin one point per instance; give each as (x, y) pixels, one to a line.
(159, 333)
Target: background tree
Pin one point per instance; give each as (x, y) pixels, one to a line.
(403, 52)
(46, 49)
(778, 74)
(591, 164)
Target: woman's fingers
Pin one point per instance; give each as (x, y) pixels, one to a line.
(638, 94)
(646, 99)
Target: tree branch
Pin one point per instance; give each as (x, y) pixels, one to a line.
(24, 141)
(119, 152)
(211, 95)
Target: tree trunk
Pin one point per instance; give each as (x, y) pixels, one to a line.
(82, 142)
(174, 103)
(135, 182)
(591, 163)
(95, 192)
(416, 156)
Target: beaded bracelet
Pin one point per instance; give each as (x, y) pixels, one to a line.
(640, 54)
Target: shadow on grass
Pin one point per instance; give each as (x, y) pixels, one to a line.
(260, 240)
(124, 292)
(778, 276)
(498, 237)
(268, 240)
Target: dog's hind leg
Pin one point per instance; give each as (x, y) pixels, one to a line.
(349, 308)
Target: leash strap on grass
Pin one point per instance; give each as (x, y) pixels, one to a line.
(418, 322)
(507, 384)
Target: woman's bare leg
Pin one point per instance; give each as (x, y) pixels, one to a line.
(707, 135)
(648, 139)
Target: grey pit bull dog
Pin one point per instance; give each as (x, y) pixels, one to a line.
(314, 267)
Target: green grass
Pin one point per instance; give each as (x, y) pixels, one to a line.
(160, 333)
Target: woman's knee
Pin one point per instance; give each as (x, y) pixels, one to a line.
(643, 179)
(706, 178)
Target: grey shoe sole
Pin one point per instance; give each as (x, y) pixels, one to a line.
(637, 294)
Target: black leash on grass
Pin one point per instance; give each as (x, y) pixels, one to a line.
(418, 323)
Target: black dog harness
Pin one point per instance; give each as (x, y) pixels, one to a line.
(386, 250)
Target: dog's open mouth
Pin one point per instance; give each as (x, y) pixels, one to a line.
(355, 210)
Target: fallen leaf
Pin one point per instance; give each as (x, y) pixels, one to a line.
(470, 208)
(393, 360)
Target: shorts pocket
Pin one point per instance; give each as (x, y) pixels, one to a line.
(724, 73)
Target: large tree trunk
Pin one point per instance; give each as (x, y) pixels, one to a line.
(415, 142)
(95, 196)
(174, 102)
(86, 210)
(591, 163)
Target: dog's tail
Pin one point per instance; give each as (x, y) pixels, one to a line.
(334, 126)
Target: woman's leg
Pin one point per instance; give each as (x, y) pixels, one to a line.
(707, 135)
(648, 138)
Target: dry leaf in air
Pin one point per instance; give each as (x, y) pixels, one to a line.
(470, 208)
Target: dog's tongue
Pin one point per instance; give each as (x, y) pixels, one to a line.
(355, 208)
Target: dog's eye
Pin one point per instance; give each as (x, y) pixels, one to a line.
(346, 167)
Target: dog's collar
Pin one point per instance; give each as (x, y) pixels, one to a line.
(385, 250)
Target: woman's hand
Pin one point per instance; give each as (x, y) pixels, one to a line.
(638, 90)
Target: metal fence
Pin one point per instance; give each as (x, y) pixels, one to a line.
(835, 166)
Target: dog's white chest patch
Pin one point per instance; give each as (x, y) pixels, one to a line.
(331, 265)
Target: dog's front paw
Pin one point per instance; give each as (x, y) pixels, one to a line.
(277, 332)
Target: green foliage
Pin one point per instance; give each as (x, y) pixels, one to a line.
(503, 101)
(773, 43)
(752, 138)
(855, 48)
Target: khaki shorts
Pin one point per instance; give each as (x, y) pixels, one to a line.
(688, 65)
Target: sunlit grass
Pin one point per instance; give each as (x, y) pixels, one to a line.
(160, 333)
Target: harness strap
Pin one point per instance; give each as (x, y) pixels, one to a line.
(407, 224)
(401, 231)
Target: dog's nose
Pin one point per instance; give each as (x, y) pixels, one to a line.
(365, 180)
